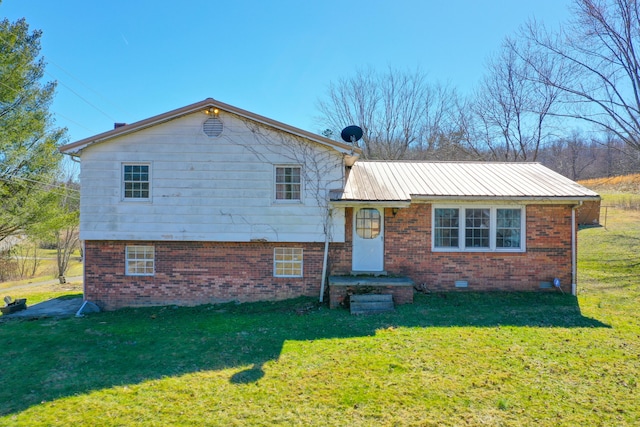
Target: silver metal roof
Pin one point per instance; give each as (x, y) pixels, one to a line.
(404, 180)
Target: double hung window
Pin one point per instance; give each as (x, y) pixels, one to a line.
(136, 182)
(288, 183)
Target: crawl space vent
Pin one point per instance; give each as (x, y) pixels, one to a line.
(212, 127)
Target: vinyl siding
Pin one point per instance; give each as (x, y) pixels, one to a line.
(206, 189)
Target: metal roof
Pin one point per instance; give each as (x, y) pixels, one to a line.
(377, 181)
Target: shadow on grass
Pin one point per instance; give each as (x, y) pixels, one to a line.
(49, 359)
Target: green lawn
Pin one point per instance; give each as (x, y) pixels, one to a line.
(449, 359)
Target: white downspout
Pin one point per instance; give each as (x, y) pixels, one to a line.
(574, 243)
(326, 256)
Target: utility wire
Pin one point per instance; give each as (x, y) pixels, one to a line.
(25, 54)
(81, 97)
(44, 184)
(89, 87)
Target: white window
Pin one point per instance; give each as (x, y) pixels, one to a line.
(287, 262)
(478, 228)
(136, 182)
(446, 223)
(509, 228)
(288, 183)
(140, 261)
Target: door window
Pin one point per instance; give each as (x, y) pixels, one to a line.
(368, 223)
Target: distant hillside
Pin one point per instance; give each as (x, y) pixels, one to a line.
(615, 184)
(618, 191)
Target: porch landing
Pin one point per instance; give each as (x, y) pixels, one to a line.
(341, 287)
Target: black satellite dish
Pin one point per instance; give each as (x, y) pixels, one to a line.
(351, 134)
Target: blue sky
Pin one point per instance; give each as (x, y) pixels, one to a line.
(126, 60)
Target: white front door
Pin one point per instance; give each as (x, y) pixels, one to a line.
(368, 240)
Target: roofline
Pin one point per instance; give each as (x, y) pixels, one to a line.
(384, 203)
(552, 199)
(482, 162)
(75, 147)
(466, 199)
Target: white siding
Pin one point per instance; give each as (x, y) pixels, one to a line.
(207, 189)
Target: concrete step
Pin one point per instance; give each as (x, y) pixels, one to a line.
(371, 303)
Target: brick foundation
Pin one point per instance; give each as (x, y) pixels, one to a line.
(192, 273)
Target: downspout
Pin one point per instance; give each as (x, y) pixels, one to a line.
(574, 243)
(326, 256)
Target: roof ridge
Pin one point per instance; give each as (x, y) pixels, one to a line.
(77, 146)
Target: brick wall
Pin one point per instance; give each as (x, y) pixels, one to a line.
(191, 273)
(408, 252)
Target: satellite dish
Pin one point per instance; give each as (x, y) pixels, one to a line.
(351, 134)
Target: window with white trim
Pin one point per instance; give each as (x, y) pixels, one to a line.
(288, 183)
(140, 260)
(136, 183)
(478, 228)
(446, 223)
(508, 228)
(287, 262)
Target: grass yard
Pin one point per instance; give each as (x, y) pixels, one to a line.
(453, 359)
(35, 292)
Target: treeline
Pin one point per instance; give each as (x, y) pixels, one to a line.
(541, 93)
(577, 158)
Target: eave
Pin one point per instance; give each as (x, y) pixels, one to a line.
(351, 153)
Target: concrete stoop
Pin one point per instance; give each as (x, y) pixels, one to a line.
(371, 303)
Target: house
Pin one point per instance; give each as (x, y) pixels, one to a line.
(211, 203)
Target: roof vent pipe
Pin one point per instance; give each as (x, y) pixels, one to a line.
(118, 125)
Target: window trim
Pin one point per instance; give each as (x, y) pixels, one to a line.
(122, 182)
(292, 262)
(275, 184)
(127, 270)
(492, 228)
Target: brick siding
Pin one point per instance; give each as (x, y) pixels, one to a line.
(192, 273)
(408, 252)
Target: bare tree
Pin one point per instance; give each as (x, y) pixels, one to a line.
(599, 53)
(26, 258)
(398, 112)
(573, 156)
(67, 241)
(61, 226)
(318, 172)
(510, 111)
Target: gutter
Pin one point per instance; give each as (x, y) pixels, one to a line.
(379, 203)
(530, 199)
